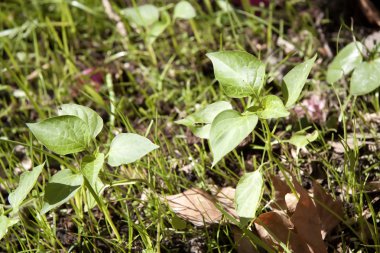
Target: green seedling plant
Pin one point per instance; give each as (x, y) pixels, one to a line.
(155, 21)
(242, 75)
(74, 132)
(365, 77)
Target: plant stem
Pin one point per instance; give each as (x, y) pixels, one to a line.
(151, 53)
(195, 31)
(103, 208)
(268, 148)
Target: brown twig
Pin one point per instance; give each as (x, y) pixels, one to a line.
(116, 18)
(370, 11)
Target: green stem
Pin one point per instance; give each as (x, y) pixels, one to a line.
(195, 31)
(104, 209)
(152, 53)
(174, 40)
(283, 170)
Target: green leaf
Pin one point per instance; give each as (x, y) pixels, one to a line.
(127, 148)
(301, 140)
(5, 223)
(144, 15)
(89, 116)
(98, 188)
(158, 28)
(295, 79)
(366, 78)
(249, 192)
(184, 10)
(224, 5)
(239, 73)
(344, 62)
(228, 129)
(63, 134)
(273, 108)
(61, 187)
(91, 166)
(27, 181)
(200, 121)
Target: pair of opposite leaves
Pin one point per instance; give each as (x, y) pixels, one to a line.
(77, 126)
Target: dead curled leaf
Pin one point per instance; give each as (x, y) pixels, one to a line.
(299, 221)
(200, 207)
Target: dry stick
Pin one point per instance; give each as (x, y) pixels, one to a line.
(322, 36)
(120, 28)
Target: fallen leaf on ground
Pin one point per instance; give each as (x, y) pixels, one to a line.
(291, 201)
(306, 220)
(199, 207)
(280, 190)
(299, 221)
(275, 228)
(325, 205)
(226, 198)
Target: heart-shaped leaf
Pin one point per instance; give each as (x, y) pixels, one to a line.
(184, 10)
(200, 121)
(345, 61)
(89, 116)
(249, 192)
(239, 73)
(228, 129)
(272, 108)
(61, 187)
(127, 148)
(27, 181)
(294, 81)
(63, 134)
(366, 78)
(144, 15)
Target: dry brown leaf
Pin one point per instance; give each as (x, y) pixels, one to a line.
(306, 220)
(311, 219)
(226, 198)
(196, 206)
(280, 190)
(275, 227)
(325, 204)
(199, 207)
(291, 202)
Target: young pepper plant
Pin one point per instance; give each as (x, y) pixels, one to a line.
(154, 21)
(75, 130)
(242, 75)
(365, 76)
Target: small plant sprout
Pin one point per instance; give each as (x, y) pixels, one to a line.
(242, 75)
(74, 130)
(365, 74)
